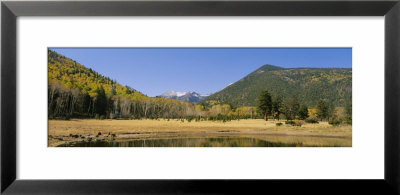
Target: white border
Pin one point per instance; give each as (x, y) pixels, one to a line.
(362, 161)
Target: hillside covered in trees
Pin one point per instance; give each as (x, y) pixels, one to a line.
(309, 85)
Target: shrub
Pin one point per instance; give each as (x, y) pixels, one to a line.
(335, 122)
(97, 116)
(101, 117)
(190, 118)
(298, 123)
(290, 122)
(295, 123)
(311, 120)
(348, 120)
(278, 124)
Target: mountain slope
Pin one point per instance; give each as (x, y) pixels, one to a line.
(76, 76)
(309, 85)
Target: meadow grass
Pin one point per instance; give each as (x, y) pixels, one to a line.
(321, 134)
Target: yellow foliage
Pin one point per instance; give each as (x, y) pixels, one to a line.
(312, 113)
(74, 75)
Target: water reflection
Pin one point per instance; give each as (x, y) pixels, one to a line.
(185, 142)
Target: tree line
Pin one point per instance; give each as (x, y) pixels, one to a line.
(66, 102)
(290, 108)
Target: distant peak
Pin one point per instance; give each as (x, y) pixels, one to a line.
(169, 93)
(189, 96)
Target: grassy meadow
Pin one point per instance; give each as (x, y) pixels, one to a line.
(78, 130)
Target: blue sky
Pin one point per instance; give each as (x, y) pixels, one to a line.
(154, 71)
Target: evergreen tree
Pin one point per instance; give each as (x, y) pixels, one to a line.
(118, 109)
(86, 104)
(276, 106)
(265, 104)
(100, 104)
(303, 112)
(322, 110)
(331, 110)
(348, 110)
(128, 90)
(291, 108)
(110, 107)
(113, 92)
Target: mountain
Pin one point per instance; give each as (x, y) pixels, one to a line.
(309, 85)
(75, 91)
(183, 96)
(73, 75)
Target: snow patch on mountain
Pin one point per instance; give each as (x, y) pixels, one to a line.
(179, 94)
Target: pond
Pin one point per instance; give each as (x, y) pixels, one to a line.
(185, 142)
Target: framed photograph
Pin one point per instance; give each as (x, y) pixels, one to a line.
(199, 97)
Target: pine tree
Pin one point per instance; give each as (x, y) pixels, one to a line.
(349, 114)
(291, 108)
(322, 110)
(118, 109)
(276, 106)
(303, 112)
(113, 91)
(265, 104)
(100, 104)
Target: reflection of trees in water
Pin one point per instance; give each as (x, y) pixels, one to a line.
(186, 142)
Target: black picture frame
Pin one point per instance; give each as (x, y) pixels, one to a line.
(10, 10)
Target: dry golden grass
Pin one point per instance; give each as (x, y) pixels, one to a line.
(321, 134)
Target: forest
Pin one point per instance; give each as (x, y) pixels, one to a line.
(75, 91)
(309, 85)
